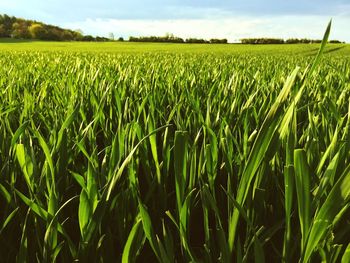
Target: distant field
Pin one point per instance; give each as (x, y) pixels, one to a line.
(126, 47)
(131, 152)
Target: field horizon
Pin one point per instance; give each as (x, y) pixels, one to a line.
(10, 44)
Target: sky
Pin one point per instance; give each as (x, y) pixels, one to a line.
(231, 19)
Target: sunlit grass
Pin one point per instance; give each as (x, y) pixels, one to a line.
(222, 156)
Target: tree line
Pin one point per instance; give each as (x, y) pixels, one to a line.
(13, 27)
(282, 41)
(170, 38)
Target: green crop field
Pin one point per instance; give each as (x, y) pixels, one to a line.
(133, 47)
(129, 152)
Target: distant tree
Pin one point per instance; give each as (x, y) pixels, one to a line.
(88, 38)
(20, 30)
(77, 35)
(7, 22)
(79, 31)
(196, 41)
(101, 39)
(37, 31)
(169, 38)
(53, 33)
(111, 36)
(218, 41)
(2, 31)
(292, 41)
(262, 41)
(120, 39)
(302, 41)
(67, 35)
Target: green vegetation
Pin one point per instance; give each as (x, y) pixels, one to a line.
(170, 38)
(137, 152)
(19, 28)
(282, 41)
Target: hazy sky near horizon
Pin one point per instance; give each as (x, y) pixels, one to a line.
(233, 19)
